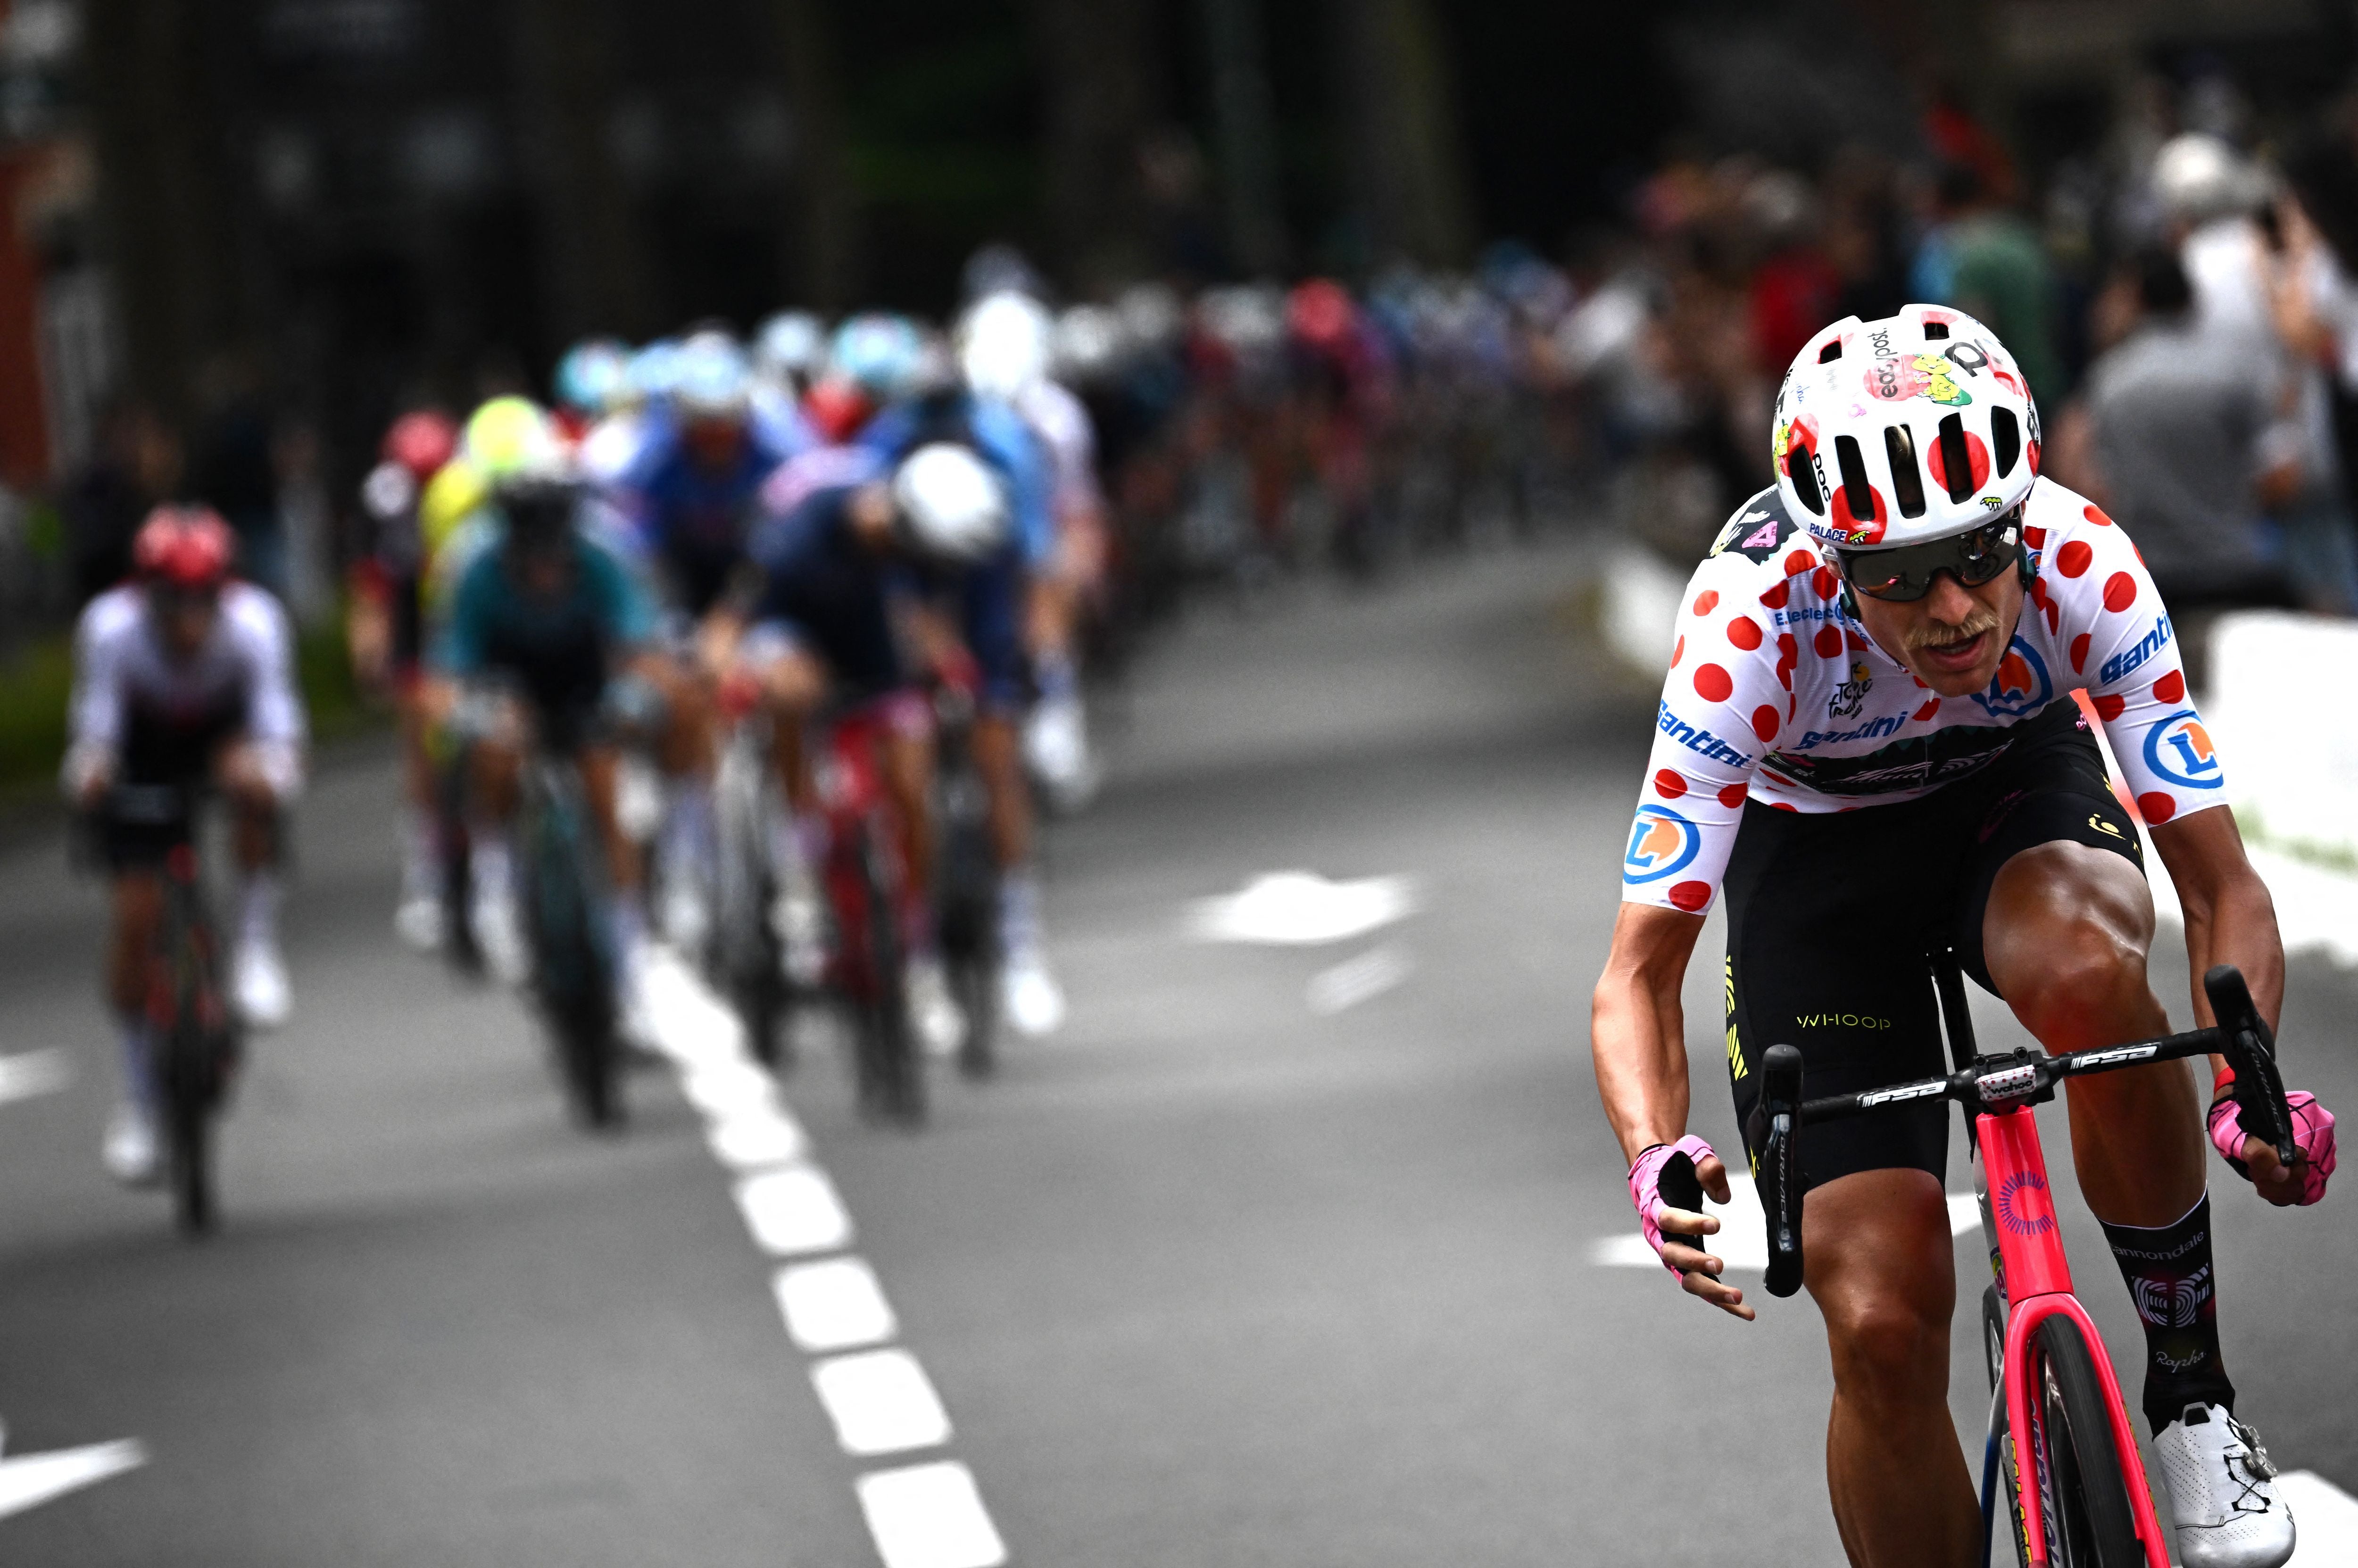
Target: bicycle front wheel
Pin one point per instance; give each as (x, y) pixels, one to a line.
(188, 1126)
(2091, 1520)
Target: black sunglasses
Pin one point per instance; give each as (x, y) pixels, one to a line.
(1907, 572)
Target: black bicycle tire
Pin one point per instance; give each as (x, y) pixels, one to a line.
(570, 970)
(2096, 1525)
(902, 1070)
(188, 1126)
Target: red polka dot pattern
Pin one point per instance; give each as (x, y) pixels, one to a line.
(1745, 633)
(1823, 581)
(1706, 601)
(2156, 807)
(1691, 896)
(1977, 461)
(1854, 643)
(2079, 652)
(2073, 558)
(2170, 687)
(1828, 641)
(2120, 592)
(2096, 513)
(2109, 706)
(1678, 653)
(1779, 592)
(1764, 722)
(1733, 796)
(1798, 562)
(1714, 684)
(1669, 785)
(1927, 711)
(1783, 806)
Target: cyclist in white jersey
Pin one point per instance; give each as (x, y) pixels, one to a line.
(1867, 740)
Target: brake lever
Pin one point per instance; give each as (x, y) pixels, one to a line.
(2249, 1046)
(1779, 1174)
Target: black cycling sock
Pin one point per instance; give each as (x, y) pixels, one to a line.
(2169, 1278)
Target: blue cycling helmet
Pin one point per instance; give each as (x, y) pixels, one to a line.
(884, 355)
(711, 378)
(655, 370)
(792, 347)
(594, 376)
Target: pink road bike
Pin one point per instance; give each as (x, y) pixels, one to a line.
(2058, 1431)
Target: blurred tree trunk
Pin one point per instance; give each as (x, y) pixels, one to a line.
(1093, 66)
(1406, 162)
(593, 256)
(1245, 117)
(823, 250)
(164, 207)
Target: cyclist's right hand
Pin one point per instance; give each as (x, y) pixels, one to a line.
(1698, 1271)
(90, 772)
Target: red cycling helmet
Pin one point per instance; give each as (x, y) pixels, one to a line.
(187, 547)
(421, 441)
(1321, 314)
(837, 409)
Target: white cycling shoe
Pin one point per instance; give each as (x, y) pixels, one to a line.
(1029, 995)
(133, 1153)
(933, 1013)
(501, 937)
(1056, 748)
(2223, 1492)
(263, 998)
(418, 921)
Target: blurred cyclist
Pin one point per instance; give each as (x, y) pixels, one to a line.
(1004, 350)
(549, 608)
(183, 677)
(983, 612)
(386, 632)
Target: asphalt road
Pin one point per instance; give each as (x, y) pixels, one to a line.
(1278, 1254)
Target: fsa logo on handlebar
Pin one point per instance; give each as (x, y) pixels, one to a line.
(2125, 1054)
(1913, 1091)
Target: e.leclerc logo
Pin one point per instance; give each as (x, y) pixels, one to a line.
(1661, 843)
(2178, 749)
(2021, 685)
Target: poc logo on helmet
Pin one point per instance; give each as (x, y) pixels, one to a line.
(1661, 843)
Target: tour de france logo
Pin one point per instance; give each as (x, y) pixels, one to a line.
(1662, 844)
(2178, 750)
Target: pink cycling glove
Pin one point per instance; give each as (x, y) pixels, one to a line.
(2312, 1137)
(1646, 1184)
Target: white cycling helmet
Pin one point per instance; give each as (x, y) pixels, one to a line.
(1893, 432)
(1005, 343)
(954, 508)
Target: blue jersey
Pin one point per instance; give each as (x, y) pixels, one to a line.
(692, 518)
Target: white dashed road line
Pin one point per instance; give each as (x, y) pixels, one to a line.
(876, 1394)
(1743, 1239)
(1355, 981)
(34, 1073)
(31, 1479)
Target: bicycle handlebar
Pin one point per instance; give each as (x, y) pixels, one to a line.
(1998, 1083)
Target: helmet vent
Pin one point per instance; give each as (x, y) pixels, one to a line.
(2006, 437)
(1830, 352)
(1805, 475)
(1956, 464)
(1907, 480)
(1936, 329)
(1856, 488)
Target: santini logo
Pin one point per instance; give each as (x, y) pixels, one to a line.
(2129, 658)
(1699, 741)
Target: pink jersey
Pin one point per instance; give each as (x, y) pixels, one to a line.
(1776, 694)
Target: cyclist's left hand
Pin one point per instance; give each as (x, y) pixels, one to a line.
(2313, 1150)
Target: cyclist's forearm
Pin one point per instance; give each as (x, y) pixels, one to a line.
(1638, 1032)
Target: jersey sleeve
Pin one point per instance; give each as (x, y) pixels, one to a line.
(2126, 650)
(275, 715)
(96, 706)
(458, 650)
(1726, 698)
(623, 604)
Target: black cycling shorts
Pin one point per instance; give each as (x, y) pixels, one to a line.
(1830, 918)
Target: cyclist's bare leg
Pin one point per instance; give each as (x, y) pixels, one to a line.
(793, 688)
(998, 758)
(2065, 938)
(254, 806)
(601, 768)
(138, 899)
(1882, 1270)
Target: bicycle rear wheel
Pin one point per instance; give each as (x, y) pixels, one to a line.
(187, 1124)
(2091, 1519)
(892, 1078)
(572, 968)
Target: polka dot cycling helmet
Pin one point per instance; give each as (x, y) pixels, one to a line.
(1913, 427)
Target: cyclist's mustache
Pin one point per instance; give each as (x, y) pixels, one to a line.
(1941, 634)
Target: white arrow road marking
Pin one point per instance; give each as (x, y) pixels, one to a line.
(882, 1402)
(1743, 1239)
(33, 1073)
(929, 1516)
(1303, 909)
(1355, 981)
(2324, 1517)
(31, 1479)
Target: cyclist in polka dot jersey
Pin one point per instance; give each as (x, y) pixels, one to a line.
(1867, 749)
